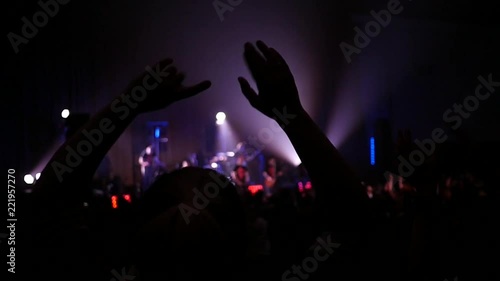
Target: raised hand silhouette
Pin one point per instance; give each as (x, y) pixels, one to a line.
(155, 89)
(276, 87)
(161, 86)
(339, 203)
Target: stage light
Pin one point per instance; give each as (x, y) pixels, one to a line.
(127, 198)
(372, 151)
(308, 185)
(65, 113)
(37, 176)
(114, 202)
(230, 154)
(157, 132)
(214, 165)
(255, 188)
(220, 118)
(29, 179)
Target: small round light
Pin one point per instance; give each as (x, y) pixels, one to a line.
(29, 179)
(220, 118)
(65, 113)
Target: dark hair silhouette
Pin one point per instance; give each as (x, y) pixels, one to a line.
(172, 241)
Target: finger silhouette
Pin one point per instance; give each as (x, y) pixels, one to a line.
(256, 63)
(265, 50)
(277, 57)
(196, 89)
(178, 78)
(248, 92)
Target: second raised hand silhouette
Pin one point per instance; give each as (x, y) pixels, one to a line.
(277, 94)
(276, 87)
(156, 88)
(163, 85)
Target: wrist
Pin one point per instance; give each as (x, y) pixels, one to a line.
(295, 119)
(121, 112)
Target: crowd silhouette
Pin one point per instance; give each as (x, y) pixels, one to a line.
(433, 225)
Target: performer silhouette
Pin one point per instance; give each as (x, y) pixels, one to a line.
(150, 167)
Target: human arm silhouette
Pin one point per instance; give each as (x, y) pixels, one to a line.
(147, 93)
(63, 177)
(339, 192)
(58, 194)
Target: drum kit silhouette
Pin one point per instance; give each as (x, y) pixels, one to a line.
(224, 162)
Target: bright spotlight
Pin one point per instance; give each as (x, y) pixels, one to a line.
(65, 113)
(230, 154)
(220, 118)
(214, 165)
(29, 179)
(37, 176)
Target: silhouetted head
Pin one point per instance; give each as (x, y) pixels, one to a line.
(271, 167)
(194, 227)
(369, 191)
(241, 172)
